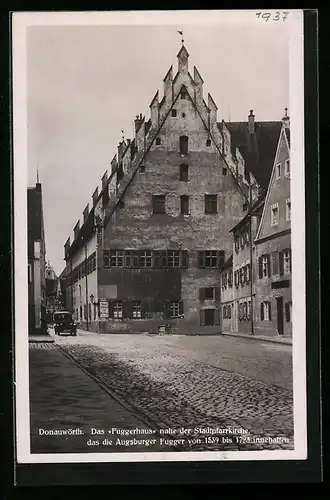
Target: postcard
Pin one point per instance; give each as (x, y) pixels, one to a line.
(159, 218)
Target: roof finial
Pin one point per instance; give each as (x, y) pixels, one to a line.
(37, 175)
(123, 136)
(285, 112)
(181, 33)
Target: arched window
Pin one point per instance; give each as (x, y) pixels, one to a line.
(183, 145)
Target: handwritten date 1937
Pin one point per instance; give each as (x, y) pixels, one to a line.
(273, 16)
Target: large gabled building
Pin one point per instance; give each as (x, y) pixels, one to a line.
(148, 250)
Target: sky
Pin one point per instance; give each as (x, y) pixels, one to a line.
(87, 83)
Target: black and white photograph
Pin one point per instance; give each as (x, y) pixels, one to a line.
(159, 236)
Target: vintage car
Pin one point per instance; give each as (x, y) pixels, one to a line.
(64, 322)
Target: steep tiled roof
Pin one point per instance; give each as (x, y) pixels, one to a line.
(258, 149)
(287, 133)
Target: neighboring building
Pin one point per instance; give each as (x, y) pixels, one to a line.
(244, 269)
(273, 247)
(227, 296)
(52, 299)
(36, 261)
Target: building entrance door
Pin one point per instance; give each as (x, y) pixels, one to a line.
(280, 325)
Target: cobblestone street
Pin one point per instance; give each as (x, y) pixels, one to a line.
(191, 382)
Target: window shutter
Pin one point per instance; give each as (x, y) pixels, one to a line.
(248, 272)
(181, 307)
(287, 312)
(270, 311)
(262, 315)
(164, 259)
(290, 257)
(216, 317)
(202, 294)
(281, 263)
(220, 258)
(268, 266)
(185, 258)
(201, 259)
(217, 293)
(127, 309)
(260, 267)
(224, 312)
(167, 310)
(202, 317)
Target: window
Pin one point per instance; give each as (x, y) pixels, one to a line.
(183, 94)
(118, 310)
(173, 112)
(211, 204)
(244, 207)
(288, 209)
(136, 310)
(209, 292)
(208, 143)
(278, 171)
(224, 171)
(142, 169)
(29, 273)
(274, 213)
(244, 310)
(288, 311)
(121, 204)
(209, 317)
(158, 204)
(175, 309)
(116, 258)
(287, 261)
(242, 275)
(184, 173)
(224, 312)
(158, 141)
(287, 168)
(247, 276)
(275, 262)
(173, 258)
(265, 311)
(185, 205)
(183, 115)
(183, 144)
(264, 266)
(236, 243)
(145, 258)
(210, 258)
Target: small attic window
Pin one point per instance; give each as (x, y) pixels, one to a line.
(158, 141)
(142, 169)
(244, 207)
(183, 115)
(183, 94)
(173, 112)
(208, 142)
(224, 171)
(121, 204)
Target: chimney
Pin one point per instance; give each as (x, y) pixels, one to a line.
(286, 119)
(251, 124)
(138, 121)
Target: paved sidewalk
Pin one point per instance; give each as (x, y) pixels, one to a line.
(276, 340)
(40, 337)
(64, 398)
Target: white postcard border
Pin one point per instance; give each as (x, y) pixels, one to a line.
(20, 22)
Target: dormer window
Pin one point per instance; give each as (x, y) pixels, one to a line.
(174, 112)
(158, 141)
